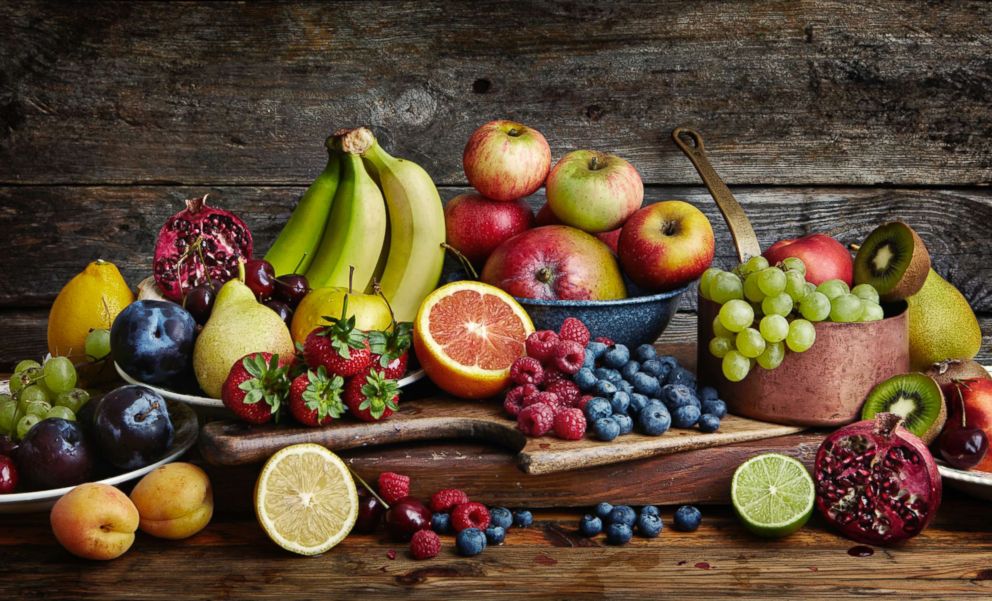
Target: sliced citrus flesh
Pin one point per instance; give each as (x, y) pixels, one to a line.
(772, 494)
(467, 334)
(305, 499)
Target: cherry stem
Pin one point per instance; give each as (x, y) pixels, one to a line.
(466, 264)
(367, 487)
(300, 262)
(376, 288)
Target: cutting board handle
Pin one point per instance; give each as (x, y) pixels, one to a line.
(691, 143)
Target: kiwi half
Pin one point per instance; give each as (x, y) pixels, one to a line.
(894, 260)
(916, 398)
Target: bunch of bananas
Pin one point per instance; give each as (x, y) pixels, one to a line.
(341, 222)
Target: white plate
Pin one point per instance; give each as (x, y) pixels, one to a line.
(976, 484)
(205, 401)
(186, 429)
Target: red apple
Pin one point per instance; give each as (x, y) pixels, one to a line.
(977, 395)
(594, 191)
(666, 245)
(825, 258)
(611, 238)
(545, 216)
(505, 160)
(555, 262)
(476, 225)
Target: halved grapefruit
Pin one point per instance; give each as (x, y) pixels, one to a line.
(467, 335)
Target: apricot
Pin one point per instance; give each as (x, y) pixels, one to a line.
(95, 521)
(174, 501)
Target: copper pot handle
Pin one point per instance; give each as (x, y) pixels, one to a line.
(743, 234)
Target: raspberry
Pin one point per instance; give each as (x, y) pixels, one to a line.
(470, 515)
(513, 402)
(536, 420)
(527, 370)
(573, 329)
(552, 376)
(541, 345)
(570, 424)
(425, 544)
(393, 486)
(444, 500)
(581, 403)
(548, 398)
(569, 356)
(567, 391)
(605, 340)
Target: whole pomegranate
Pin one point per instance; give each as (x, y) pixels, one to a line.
(196, 245)
(876, 482)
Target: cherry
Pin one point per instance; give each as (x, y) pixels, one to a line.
(7, 445)
(961, 446)
(407, 516)
(292, 288)
(370, 512)
(284, 310)
(199, 302)
(8, 475)
(260, 278)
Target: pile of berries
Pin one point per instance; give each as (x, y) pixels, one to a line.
(619, 522)
(643, 390)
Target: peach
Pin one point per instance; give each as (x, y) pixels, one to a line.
(95, 521)
(175, 501)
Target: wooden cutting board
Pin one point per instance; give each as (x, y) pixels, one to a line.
(438, 418)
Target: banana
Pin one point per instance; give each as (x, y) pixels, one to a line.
(416, 228)
(355, 230)
(295, 247)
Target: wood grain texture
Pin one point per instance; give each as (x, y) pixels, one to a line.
(785, 92)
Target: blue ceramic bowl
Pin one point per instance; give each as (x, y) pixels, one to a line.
(631, 321)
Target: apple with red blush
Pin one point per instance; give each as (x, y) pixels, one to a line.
(976, 394)
(594, 191)
(825, 257)
(666, 245)
(545, 216)
(476, 225)
(505, 160)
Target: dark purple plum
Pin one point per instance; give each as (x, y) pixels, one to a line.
(131, 427)
(152, 341)
(54, 454)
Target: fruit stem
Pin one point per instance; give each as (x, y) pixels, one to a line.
(378, 290)
(241, 269)
(886, 423)
(367, 487)
(466, 264)
(544, 275)
(355, 140)
(964, 418)
(300, 262)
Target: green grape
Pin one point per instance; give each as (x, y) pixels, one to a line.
(31, 394)
(719, 330)
(750, 343)
(75, 399)
(794, 264)
(801, 335)
(780, 304)
(98, 342)
(751, 290)
(773, 355)
(736, 315)
(865, 292)
(846, 308)
(795, 285)
(771, 281)
(810, 288)
(726, 286)
(815, 307)
(752, 265)
(61, 413)
(22, 380)
(4, 397)
(39, 408)
(720, 346)
(774, 328)
(60, 374)
(833, 288)
(8, 412)
(735, 366)
(25, 424)
(26, 364)
(873, 312)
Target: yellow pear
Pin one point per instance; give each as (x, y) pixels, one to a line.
(941, 324)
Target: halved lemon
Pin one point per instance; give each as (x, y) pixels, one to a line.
(467, 335)
(305, 499)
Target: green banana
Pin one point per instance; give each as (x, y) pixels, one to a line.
(295, 247)
(355, 230)
(416, 228)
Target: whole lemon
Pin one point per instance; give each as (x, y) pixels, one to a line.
(90, 300)
(370, 310)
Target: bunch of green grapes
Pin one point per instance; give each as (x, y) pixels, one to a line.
(767, 309)
(39, 392)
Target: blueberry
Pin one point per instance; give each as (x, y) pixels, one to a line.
(654, 419)
(598, 408)
(597, 348)
(629, 369)
(614, 376)
(649, 510)
(623, 514)
(500, 516)
(602, 373)
(585, 379)
(604, 388)
(687, 518)
(603, 510)
(653, 367)
(625, 422)
(470, 541)
(645, 384)
(715, 407)
(645, 352)
(649, 526)
(523, 518)
(590, 526)
(618, 534)
(681, 375)
(441, 523)
(708, 423)
(616, 356)
(668, 362)
(708, 393)
(620, 401)
(685, 417)
(606, 428)
(677, 395)
(495, 535)
(625, 386)
(637, 402)
(589, 360)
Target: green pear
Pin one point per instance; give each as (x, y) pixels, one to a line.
(941, 324)
(238, 325)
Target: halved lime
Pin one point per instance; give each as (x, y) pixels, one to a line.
(772, 494)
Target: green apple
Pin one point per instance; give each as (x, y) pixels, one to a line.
(594, 191)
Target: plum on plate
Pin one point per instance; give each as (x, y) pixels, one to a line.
(53, 454)
(152, 341)
(131, 427)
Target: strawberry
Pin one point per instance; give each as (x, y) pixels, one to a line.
(315, 399)
(371, 396)
(339, 347)
(256, 386)
(391, 350)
